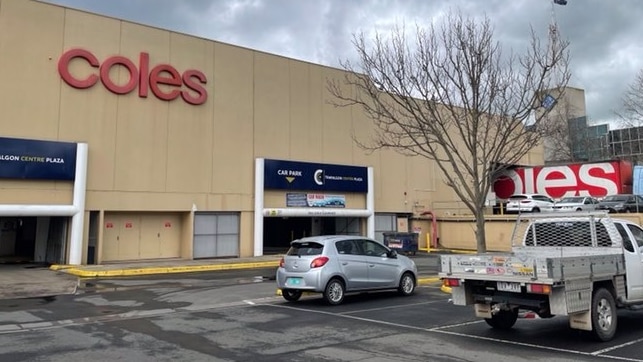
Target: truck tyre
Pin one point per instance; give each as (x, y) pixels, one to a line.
(604, 318)
(504, 319)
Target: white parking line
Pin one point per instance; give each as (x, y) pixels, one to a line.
(441, 330)
(389, 307)
(348, 316)
(609, 349)
(593, 354)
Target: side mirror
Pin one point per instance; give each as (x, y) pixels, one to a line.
(392, 254)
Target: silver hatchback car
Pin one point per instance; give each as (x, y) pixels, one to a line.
(338, 264)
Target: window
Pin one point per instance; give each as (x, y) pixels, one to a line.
(627, 244)
(638, 234)
(346, 247)
(372, 248)
(305, 249)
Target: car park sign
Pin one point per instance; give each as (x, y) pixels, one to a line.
(293, 175)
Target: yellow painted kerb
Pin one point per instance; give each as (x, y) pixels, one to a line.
(89, 273)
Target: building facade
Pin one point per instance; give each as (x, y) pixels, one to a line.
(127, 142)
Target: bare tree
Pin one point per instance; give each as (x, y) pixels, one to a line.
(452, 96)
(631, 113)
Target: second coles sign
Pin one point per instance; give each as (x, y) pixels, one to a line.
(188, 85)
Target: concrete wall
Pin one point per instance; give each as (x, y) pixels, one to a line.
(458, 233)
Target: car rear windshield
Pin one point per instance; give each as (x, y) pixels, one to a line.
(517, 197)
(307, 248)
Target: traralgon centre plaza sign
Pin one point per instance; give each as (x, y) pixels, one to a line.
(37, 160)
(164, 81)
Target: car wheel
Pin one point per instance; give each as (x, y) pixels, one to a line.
(503, 319)
(579, 209)
(603, 315)
(334, 292)
(291, 295)
(407, 284)
(535, 209)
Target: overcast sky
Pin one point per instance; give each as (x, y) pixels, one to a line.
(606, 49)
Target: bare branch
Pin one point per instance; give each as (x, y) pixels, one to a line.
(451, 95)
(631, 113)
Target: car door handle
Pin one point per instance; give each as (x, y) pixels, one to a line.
(344, 263)
(371, 265)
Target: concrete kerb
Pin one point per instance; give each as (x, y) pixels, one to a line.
(88, 272)
(81, 272)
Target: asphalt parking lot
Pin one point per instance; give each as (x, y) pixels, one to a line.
(531, 338)
(237, 316)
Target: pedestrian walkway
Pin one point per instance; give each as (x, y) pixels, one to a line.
(34, 281)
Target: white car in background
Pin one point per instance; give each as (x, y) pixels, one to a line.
(529, 203)
(576, 203)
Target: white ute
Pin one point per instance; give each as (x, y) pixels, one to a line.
(580, 265)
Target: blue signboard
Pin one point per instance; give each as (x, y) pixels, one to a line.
(292, 175)
(549, 102)
(38, 160)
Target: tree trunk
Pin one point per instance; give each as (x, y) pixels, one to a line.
(481, 245)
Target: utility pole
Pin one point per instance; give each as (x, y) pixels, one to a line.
(553, 25)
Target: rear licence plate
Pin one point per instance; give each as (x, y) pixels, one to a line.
(508, 287)
(293, 281)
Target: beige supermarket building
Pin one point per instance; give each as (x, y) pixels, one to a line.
(125, 142)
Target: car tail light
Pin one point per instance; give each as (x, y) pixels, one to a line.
(281, 263)
(539, 288)
(319, 262)
(451, 282)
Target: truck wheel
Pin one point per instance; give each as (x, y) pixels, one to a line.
(604, 318)
(291, 295)
(504, 319)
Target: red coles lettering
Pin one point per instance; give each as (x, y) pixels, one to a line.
(163, 80)
(588, 179)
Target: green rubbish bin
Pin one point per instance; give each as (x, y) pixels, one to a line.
(406, 243)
